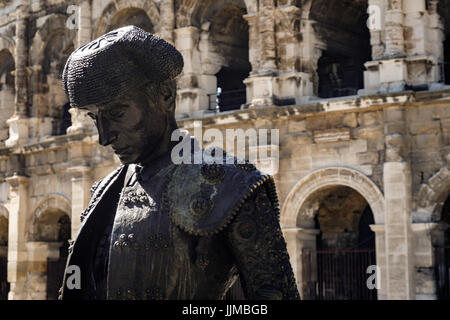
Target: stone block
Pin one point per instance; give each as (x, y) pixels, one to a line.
(421, 127)
(396, 244)
(395, 230)
(367, 119)
(296, 126)
(358, 146)
(368, 158)
(331, 135)
(350, 120)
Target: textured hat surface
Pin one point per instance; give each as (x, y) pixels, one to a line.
(116, 62)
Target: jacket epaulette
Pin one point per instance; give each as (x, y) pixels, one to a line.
(203, 199)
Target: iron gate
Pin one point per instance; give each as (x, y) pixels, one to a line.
(337, 274)
(55, 272)
(442, 255)
(4, 285)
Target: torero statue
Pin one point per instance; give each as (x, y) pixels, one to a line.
(155, 229)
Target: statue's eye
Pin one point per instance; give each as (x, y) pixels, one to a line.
(115, 113)
(91, 115)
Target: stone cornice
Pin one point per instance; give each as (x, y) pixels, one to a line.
(315, 107)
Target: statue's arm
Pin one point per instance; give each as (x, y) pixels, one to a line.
(258, 246)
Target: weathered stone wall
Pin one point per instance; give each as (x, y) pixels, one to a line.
(389, 145)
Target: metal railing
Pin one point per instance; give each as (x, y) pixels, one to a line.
(442, 255)
(337, 274)
(4, 285)
(226, 100)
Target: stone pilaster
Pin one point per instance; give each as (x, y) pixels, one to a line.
(395, 42)
(81, 184)
(397, 182)
(167, 9)
(38, 255)
(18, 123)
(17, 252)
(424, 260)
(267, 36)
(191, 98)
(297, 240)
(410, 55)
(80, 121)
(380, 251)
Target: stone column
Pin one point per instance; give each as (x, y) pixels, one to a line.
(298, 239)
(17, 252)
(81, 181)
(380, 251)
(405, 62)
(292, 85)
(81, 184)
(267, 34)
(262, 46)
(84, 23)
(38, 255)
(167, 9)
(18, 123)
(191, 98)
(395, 42)
(80, 121)
(397, 182)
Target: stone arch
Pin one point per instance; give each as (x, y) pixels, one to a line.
(47, 214)
(327, 177)
(45, 35)
(115, 7)
(48, 246)
(341, 46)
(4, 212)
(7, 43)
(4, 216)
(50, 49)
(432, 195)
(53, 201)
(192, 12)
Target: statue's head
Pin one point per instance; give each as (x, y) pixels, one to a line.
(125, 79)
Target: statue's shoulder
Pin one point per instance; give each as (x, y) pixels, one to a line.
(98, 188)
(202, 199)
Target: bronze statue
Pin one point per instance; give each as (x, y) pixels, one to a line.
(154, 229)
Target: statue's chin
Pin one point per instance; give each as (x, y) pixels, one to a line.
(127, 158)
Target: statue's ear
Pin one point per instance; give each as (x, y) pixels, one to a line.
(168, 93)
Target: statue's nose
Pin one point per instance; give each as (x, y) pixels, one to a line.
(105, 134)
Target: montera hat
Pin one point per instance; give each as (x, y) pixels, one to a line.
(111, 65)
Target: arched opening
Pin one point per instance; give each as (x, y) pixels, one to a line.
(224, 53)
(131, 16)
(53, 226)
(4, 285)
(229, 38)
(7, 67)
(442, 254)
(345, 45)
(345, 246)
(49, 98)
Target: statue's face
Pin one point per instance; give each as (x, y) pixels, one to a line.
(132, 126)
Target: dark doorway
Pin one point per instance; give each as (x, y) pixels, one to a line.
(442, 255)
(233, 92)
(337, 269)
